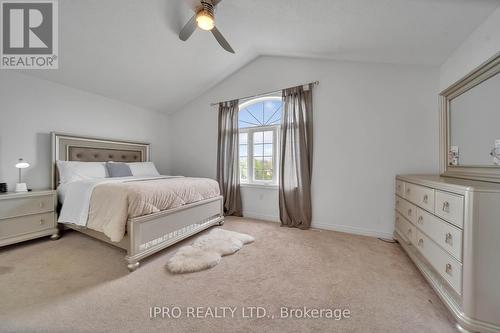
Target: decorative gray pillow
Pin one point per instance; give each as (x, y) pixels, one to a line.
(118, 169)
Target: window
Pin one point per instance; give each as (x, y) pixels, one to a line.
(259, 121)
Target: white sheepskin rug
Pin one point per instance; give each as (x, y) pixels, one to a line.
(207, 250)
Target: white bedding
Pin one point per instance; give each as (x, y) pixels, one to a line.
(75, 197)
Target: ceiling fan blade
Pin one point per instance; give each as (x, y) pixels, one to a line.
(188, 29)
(215, 2)
(222, 41)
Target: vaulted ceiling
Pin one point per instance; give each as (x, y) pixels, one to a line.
(129, 49)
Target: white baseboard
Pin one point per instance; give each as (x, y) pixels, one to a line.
(258, 216)
(352, 230)
(324, 226)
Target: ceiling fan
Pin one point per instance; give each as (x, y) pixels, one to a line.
(204, 18)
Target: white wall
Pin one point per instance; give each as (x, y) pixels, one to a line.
(481, 45)
(31, 108)
(372, 121)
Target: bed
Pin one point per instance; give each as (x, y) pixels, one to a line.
(145, 234)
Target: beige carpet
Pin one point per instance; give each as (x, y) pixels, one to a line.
(78, 284)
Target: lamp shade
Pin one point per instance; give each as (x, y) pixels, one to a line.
(22, 164)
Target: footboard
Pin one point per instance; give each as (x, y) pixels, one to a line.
(152, 233)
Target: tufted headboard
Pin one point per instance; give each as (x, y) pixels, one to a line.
(69, 147)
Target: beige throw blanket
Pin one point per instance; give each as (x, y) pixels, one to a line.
(112, 204)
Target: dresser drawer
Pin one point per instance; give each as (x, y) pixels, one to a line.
(447, 266)
(407, 209)
(26, 224)
(406, 229)
(13, 207)
(420, 195)
(443, 233)
(400, 188)
(450, 207)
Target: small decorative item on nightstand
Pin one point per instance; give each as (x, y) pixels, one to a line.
(21, 187)
(27, 215)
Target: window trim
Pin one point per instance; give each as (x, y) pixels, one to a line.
(251, 181)
(250, 158)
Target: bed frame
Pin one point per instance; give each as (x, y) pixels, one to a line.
(147, 234)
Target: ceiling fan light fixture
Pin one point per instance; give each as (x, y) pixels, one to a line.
(205, 20)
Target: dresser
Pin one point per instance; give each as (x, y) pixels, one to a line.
(27, 215)
(450, 228)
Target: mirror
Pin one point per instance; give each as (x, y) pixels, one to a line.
(470, 125)
(475, 125)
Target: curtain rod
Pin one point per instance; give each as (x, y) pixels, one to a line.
(267, 93)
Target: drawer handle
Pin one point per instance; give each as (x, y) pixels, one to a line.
(408, 191)
(426, 198)
(41, 204)
(420, 219)
(449, 239)
(409, 212)
(421, 242)
(449, 269)
(42, 221)
(409, 231)
(446, 207)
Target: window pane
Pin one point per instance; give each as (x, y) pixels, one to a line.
(268, 149)
(272, 111)
(258, 150)
(256, 111)
(263, 168)
(244, 169)
(258, 137)
(243, 138)
(258, 163)
(243, 150)
(268, 163)
(267, 172)
(246, 119)
(267, 112)
(268, 137)
(259, 175)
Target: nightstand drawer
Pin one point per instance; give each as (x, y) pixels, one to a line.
(21, 206)
(26, 224)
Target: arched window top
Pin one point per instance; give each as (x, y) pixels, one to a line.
(259, 112)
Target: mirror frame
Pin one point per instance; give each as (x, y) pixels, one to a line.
(482, 73)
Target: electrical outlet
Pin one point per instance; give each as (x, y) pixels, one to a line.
(453, 155)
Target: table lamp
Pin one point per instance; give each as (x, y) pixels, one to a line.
(21, 187)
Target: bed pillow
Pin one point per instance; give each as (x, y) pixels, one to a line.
(118, 169)
(70, 171)
(143, 169)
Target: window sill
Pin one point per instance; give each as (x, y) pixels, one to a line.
(260, 186)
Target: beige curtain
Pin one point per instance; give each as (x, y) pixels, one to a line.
(296, 158)
(228, 174)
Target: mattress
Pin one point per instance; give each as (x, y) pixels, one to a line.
(106, 204)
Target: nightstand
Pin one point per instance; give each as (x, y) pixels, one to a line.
(27, 215)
